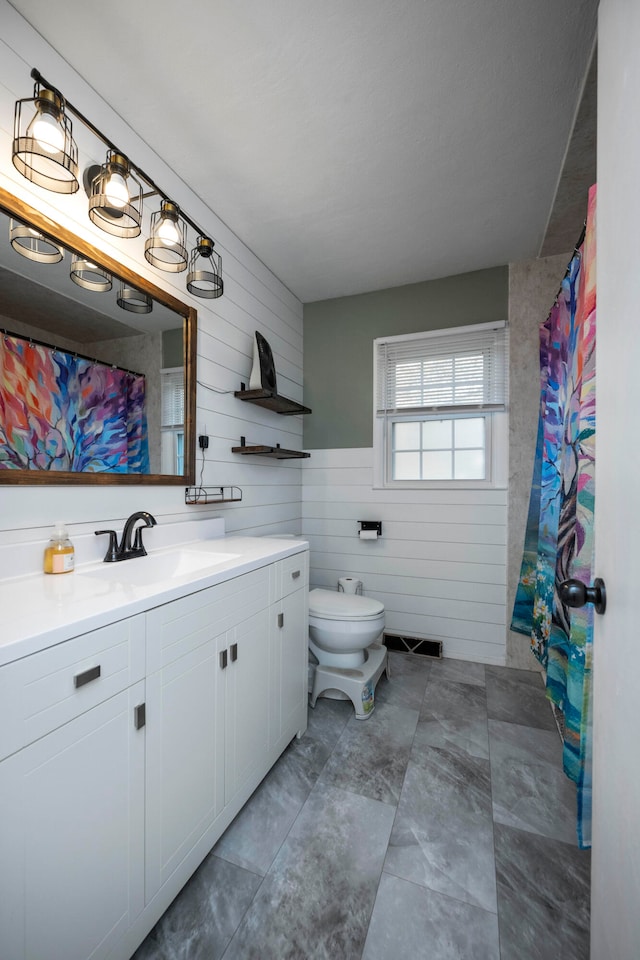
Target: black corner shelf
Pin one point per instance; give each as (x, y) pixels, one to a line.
(275, 453)
(272, 401)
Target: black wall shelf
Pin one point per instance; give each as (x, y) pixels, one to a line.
(276, 453)
(272, 401)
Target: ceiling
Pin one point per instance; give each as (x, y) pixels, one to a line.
(353, 145)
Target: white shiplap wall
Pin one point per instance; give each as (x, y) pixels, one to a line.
(254, 300)
(440, 566)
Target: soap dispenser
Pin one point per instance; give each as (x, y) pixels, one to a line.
(59, 553)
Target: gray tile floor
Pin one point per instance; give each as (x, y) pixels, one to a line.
(442, 827)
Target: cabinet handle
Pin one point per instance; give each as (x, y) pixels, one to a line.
(223, 659)
(281, 619)
(234, 652)
(86, 676)
(295, 574)
(140, 715)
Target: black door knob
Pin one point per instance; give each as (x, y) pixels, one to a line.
(576, 594)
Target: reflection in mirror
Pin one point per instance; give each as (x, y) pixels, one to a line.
(96, 364)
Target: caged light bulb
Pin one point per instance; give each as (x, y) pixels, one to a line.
(168, 232)
(116, 191)
(47, 131)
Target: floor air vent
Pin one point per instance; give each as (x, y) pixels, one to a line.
(425, 648)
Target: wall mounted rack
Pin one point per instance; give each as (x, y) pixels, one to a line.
(272, 401)
(212, 495)
(276, 453)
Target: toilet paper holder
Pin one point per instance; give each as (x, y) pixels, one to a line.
(370, 526)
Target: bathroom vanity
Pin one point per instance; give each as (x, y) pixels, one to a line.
(136, 719)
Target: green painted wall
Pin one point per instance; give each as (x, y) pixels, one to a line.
(338, 345)
(172, 349)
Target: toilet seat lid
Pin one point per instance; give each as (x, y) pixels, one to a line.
(331, 605)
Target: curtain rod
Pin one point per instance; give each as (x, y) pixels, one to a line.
(74, 353)
(576, 249)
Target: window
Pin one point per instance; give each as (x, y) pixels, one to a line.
(451, 449)
(172, 427)
(179, 451)
(440, 400)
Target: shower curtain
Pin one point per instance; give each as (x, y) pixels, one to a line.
(559, 533)
(59, 411)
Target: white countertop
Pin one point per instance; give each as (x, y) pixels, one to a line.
(40, 610)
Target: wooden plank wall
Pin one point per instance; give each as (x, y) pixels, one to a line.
(440, 566)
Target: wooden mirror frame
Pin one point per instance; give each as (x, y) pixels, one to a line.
(18, 208)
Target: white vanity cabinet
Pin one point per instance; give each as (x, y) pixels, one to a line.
(207, 696)
(71, 796)
(289, 653)
(247, 693)
(126, 752)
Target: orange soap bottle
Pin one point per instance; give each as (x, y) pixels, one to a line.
(59, 553)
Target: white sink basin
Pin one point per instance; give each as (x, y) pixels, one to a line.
(144, 571)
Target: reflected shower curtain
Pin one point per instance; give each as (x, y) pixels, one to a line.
(559, 535)
(59, 411)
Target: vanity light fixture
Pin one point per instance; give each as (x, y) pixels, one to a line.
(89, 275)
(166, 248)
(205, 270)
(33, 245)
(115, 196)
(44, 150)
(133, 300)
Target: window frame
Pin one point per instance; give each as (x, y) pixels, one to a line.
(172, 399)
(171, 439)
(496, 424)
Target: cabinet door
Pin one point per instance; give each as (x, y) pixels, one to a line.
(184, 759)
(71, 828)
(289, 641)
(247, 678)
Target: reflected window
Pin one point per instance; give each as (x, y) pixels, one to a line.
(172, 429)
(179, 452)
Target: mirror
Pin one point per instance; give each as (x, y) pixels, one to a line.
(96, 386)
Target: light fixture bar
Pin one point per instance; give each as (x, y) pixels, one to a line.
(154, 188)
(45, 152)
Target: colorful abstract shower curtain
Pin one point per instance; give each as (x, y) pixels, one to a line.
(59, 411)
(559, 534)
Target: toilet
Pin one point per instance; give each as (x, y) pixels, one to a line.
(341, 626)
(344, 634)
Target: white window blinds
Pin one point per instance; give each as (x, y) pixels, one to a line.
(173, 397)
(454, 370)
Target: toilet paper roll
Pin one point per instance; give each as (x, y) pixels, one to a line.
(368, 534)
(349, 585)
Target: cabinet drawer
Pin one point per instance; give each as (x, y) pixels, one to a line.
(45, 691)
(294, 571)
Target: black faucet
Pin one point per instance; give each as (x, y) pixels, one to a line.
(126, 551)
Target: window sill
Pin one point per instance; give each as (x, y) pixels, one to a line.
(441, 485)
